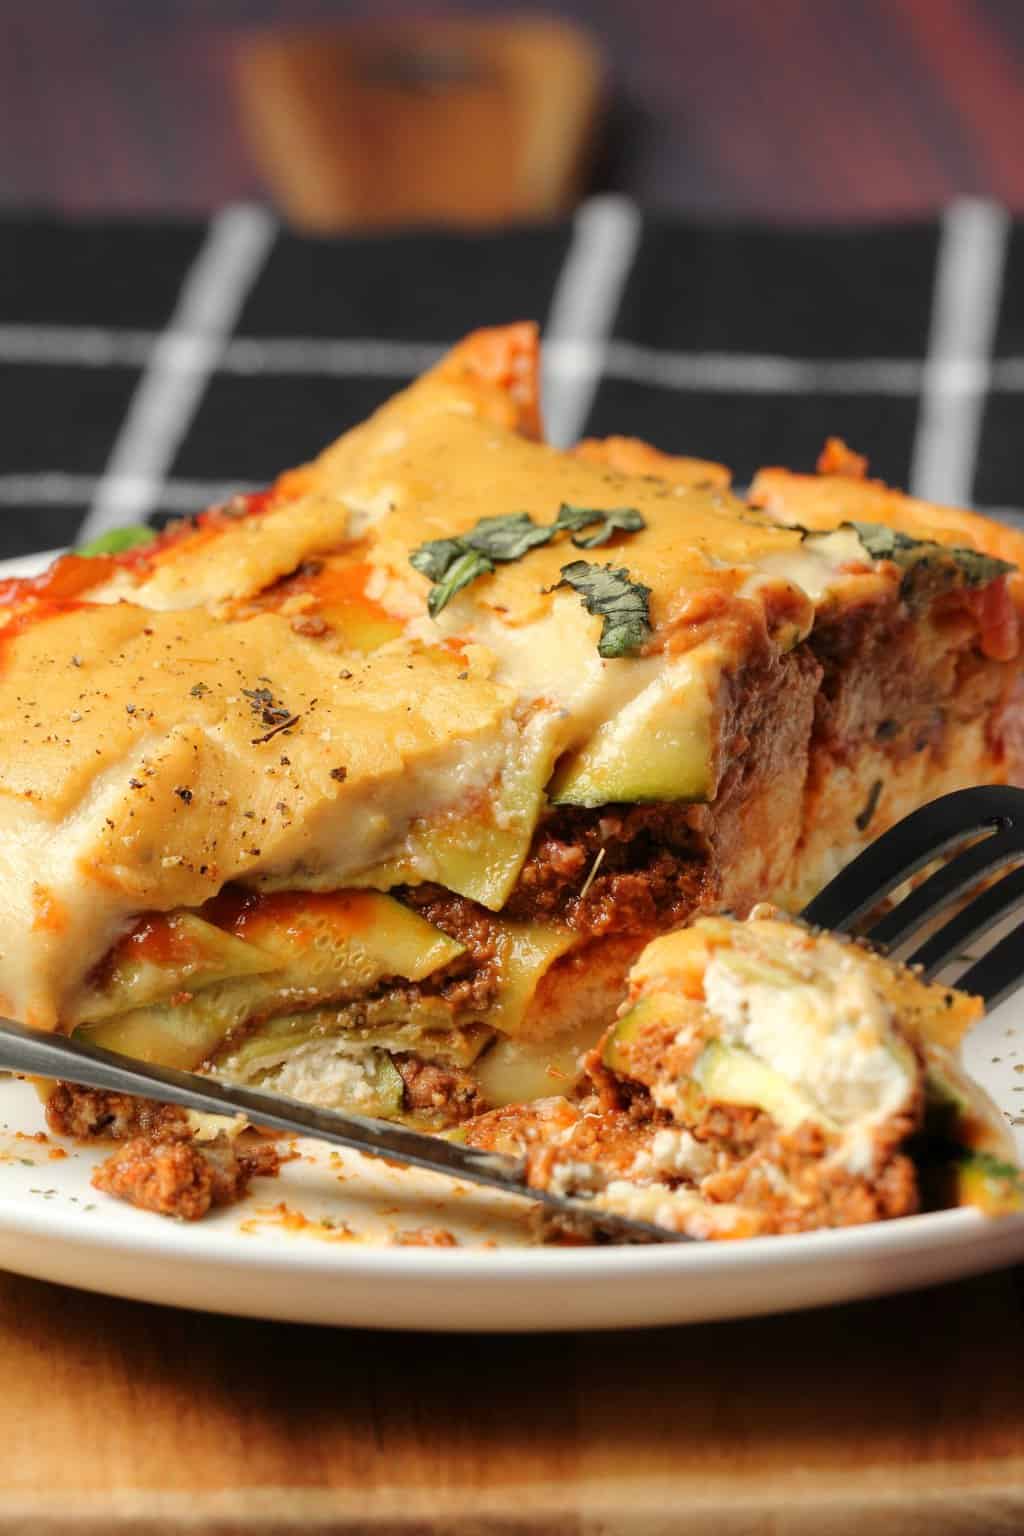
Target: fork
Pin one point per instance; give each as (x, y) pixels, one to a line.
(989, 820)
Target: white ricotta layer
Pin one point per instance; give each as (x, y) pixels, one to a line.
(829, 1034)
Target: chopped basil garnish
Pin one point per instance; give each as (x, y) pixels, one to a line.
(434, 558)
(507, 537)
(615, 520)
(883, 543)
(622, 604)
(116, 540)
(451, 564)
(466, 567)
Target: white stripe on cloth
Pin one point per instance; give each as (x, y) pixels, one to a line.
(606, 232)
(54, 488)
(654, 367)
(95, 347)
(183, 358)
(958, 367)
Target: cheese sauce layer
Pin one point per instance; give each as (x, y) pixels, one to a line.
(150, 758)
(267, 700)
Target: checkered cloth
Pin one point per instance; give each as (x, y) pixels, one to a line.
(148, 370)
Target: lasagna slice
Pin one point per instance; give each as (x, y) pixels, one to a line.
(373, 786)
(767, 1078)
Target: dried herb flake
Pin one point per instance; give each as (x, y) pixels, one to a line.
(622, 604)
(452, 564)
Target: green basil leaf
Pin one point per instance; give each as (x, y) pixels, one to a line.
(452, 564)
(116, 540)
(469, 565)
(883, 543)
(622, 604)
(616, 520)
(508, 537)
(434, 558)
(573, 518)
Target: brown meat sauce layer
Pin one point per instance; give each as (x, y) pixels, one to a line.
(158, 1165)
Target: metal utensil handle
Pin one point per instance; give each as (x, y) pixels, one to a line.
(47, 1055)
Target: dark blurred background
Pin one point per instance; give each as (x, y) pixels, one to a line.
(816, 234)
(756, 107)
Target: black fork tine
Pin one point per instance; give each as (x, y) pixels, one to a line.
(910, 845)
(954, 879)
(998, 973)
(972, 922)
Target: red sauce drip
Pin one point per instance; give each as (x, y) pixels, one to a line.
(70, 575)
(245, 913)
(342, 583)
(67, 577)
(997, 618)
(159, 940)
(228, 908)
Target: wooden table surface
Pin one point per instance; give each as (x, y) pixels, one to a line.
(900, 1416)
(905, 1416)
(789, 108)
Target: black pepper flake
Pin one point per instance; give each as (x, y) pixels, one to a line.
(286, 762)
(345, 674)
(282, 806)
(135, 784)
(76, 661)
(863, 820)
(130, 708)
(184, 794)
(274, 731)
(198, 689)
(263, 703)
(340, 774)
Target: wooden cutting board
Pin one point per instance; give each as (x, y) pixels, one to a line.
(454, 121)
(903, 1416)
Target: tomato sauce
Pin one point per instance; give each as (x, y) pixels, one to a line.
(159, 940)
(998, 619)
(338, 588)
(245, 913)
(70, 575)
(297, 912)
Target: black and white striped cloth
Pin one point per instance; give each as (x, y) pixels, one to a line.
(151, 369)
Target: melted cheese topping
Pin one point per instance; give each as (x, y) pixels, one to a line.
(144, 762)
(449, 469)
(232, 560)
(141, 774)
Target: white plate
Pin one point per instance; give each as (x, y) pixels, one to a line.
(285, 1252)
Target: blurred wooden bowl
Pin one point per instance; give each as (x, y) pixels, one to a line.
(454, 121)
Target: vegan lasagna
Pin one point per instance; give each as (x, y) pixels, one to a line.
(763, 1077)
(371, 788)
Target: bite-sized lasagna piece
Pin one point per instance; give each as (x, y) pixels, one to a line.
(372, 787)
(764, 1077)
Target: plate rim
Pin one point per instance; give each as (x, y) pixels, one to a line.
(209, 1243)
